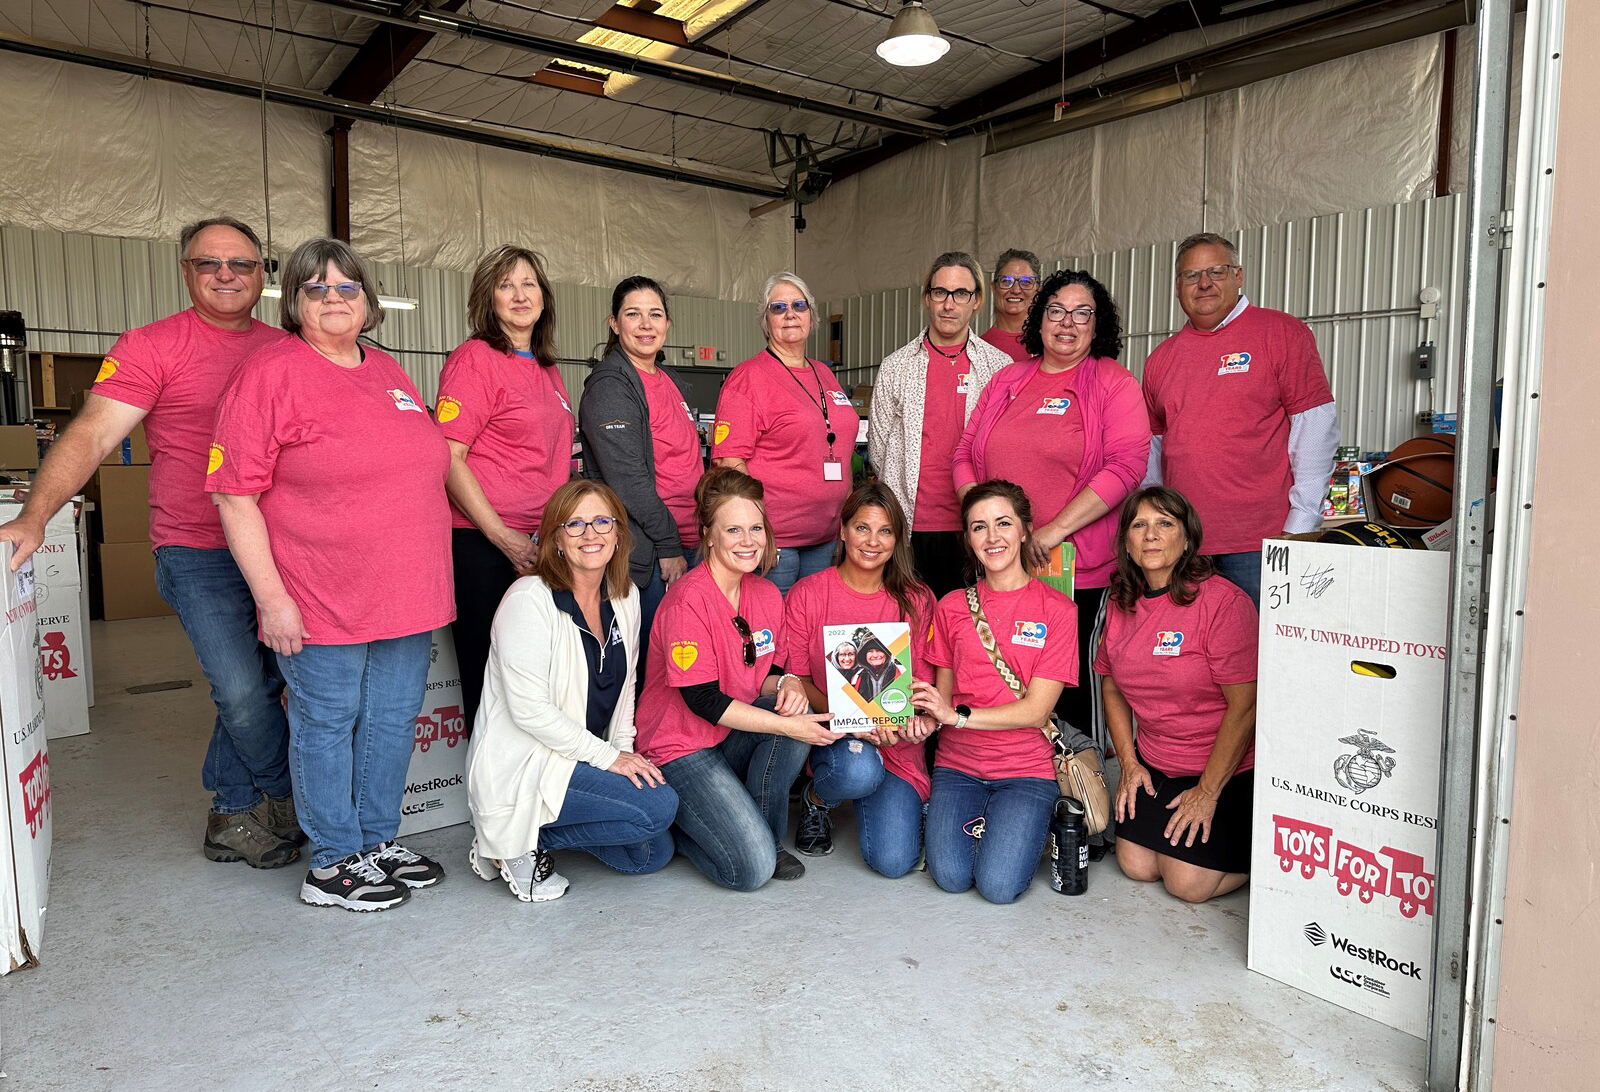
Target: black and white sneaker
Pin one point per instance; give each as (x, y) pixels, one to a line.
(407, 866)
(354, 883)
(815, 836)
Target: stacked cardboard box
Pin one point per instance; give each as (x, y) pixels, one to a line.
(123, 580)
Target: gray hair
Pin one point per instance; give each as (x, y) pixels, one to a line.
(1205, 238)
(308, 262)
(786, 278)
(1017, 256)
(186, 236)
(951, 259)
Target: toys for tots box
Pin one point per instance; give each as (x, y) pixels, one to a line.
(25, 768)
(436, 781)
(1349, 726)
(59, 602)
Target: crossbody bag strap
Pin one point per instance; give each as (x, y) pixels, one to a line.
(1009, 677)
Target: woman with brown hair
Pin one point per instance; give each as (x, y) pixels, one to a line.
(729, 729)
(504, 410)
(885, 772)
(552, 764)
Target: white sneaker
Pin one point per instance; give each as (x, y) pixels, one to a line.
(532, 877)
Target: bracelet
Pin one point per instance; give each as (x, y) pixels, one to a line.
(785, 677)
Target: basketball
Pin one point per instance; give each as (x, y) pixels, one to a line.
(1413, 488)
(1368, 534)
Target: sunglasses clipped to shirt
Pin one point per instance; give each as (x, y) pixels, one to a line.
(748, 638)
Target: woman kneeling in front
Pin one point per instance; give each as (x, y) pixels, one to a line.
(994, 783)
(551, 762)
(1179, 653)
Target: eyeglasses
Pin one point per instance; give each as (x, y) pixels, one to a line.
(1081, 316)
(749, 640)
(1024, 283)
(960, 295)
(348, 290)
(778, 307)
(576, 527)
(1215, 273)
(239, 267)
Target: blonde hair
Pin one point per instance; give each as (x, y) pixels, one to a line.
(722, 484)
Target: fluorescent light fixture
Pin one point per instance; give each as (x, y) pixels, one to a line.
(913, 39)
(388, 303)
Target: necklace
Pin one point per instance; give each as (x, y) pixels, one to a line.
(948, 356)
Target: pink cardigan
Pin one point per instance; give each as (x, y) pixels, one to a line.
(1116, 449)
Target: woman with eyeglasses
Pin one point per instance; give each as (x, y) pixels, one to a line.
(783, 418)
(1016, 281)
(925, 392)
(639, 437)
(552, 764)
(1071, 429)
(330, 480)
(504, 410)
(728, 728)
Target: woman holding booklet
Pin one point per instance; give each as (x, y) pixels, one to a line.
(873, 580)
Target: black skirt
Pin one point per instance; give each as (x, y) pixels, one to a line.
(1227, 850)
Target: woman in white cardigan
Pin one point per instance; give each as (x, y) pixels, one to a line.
(551, 762)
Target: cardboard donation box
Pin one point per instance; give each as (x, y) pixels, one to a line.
(25, 829)
(59, 602)
(1349, 726)
(436, 781)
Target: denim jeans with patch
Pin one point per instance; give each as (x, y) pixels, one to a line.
(1015, 814)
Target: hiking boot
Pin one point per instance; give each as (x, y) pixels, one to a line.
(241, 837)
(279, 817)
(407, 866)
(815, 836)
(789, 867)
(354, 883)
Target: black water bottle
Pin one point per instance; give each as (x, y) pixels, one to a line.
(1069, 848)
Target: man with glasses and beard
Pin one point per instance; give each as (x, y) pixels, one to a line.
(1242, 415)
(169, 375)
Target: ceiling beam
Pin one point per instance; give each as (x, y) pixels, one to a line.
(616, 60)
(380, 59)
(398, 116)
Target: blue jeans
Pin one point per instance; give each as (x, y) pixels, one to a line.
(249, 750)
(1242, 570)
(624, 827)
(797, 561)
(352, 720)
(1016, 818)
(845, 770)
(889, 822)
(649, 599)
(733, 805)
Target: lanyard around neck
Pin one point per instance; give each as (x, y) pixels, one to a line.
(820, 401)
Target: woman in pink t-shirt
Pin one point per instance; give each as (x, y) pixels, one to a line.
(885, 772)
(784, 419)
(504, 410)
(330, 480)
(1016, 282)
(728, 728)
(1179, 653)
(1071, 428)
(994, 785)
(639, 437)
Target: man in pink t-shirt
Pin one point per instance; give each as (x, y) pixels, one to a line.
(169, 375)
(1242, 415)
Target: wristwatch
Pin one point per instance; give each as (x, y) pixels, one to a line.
(962, 713)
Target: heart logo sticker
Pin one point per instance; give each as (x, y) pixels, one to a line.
(684, 654)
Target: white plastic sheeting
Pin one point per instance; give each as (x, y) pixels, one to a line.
(99, 153)
(447, 202)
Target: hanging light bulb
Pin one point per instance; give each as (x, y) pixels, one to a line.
(913, 39)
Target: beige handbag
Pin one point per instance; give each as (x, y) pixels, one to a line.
(1078, 774)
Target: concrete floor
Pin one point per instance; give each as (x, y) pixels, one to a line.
(162, 970)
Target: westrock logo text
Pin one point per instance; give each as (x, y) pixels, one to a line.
(1319, 936)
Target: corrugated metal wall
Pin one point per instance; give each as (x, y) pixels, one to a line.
(78, 292)
(1354, 277)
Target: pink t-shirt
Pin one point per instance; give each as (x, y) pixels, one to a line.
(175, 369)
(769, 415)
(350, 472)
(1172, 662)
(822, 599)
(694, 641)
(1221, 401)
(516, 420)
(944, 406)
(1036, 632)
(676, 445)
(1038, 442)
(1010, 344)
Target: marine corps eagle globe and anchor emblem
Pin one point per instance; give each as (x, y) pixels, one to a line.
(1366, 768)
